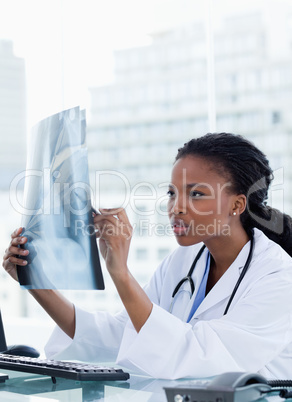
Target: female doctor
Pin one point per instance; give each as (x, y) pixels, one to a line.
(226, 306)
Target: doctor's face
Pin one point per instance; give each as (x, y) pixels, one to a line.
(200, 201)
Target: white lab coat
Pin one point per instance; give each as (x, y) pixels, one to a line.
(255, 335)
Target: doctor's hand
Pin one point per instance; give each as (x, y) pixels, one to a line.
(114, 232)
(56, 305)
(13, 253)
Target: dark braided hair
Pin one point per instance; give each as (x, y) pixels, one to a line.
(248, 170)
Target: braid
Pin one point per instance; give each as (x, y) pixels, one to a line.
(248, 170)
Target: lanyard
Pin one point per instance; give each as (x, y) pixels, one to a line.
(201, 290)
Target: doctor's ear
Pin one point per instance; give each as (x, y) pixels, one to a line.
(239, 204)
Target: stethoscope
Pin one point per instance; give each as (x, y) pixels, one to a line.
(189, 279)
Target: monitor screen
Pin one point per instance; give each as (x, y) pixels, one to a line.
(3, 345)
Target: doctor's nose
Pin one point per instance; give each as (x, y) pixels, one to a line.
(177, 206)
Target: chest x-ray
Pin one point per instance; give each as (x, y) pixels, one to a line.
(57, 200)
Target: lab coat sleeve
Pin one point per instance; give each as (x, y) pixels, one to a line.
(97, 337)
(255, 330)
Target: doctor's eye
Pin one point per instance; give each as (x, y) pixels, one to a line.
(196, 194)
(170, 193)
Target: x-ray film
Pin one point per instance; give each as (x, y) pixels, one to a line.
(57, 202)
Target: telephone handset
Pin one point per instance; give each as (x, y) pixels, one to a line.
(237, 380)
(226, 387)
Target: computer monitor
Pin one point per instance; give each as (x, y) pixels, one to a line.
(3, 345)
(16, 350)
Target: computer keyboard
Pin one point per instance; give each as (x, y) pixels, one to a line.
(70, 370)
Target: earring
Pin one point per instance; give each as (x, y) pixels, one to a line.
(234, 213)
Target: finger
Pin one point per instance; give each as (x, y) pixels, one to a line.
(94, 211)
(110, 229)
(16, 233)
(110, 211)
(123, 216)
(111, 226)
(107, 230)
(113, 221)
(12, 250)
(120, 213)
(18, 241)
(14, 260)
(102, 220)
(99, 234)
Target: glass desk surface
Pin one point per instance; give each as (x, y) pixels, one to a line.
(24, 387)
(37, 388)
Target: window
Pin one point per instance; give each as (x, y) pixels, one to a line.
(162, 253)
(276, 117)
(141, 254)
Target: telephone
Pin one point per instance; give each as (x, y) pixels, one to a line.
(226, 387)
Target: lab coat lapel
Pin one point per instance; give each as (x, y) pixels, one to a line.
(224, 287)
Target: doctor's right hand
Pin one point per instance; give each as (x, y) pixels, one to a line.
(55, 304)
(13, 253)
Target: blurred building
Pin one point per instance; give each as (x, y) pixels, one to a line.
(12, 114)
(159, 100)
(12, 161)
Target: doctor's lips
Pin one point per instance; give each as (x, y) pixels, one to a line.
(179, 227)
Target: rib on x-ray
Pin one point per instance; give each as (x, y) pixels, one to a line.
(57, 202)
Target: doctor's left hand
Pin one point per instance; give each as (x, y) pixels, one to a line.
(114, 232)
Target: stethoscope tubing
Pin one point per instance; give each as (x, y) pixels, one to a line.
(189, 279)
(189, 275)
(242, 275)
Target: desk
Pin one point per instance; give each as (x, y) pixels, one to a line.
(25, 387)
(21, 387)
